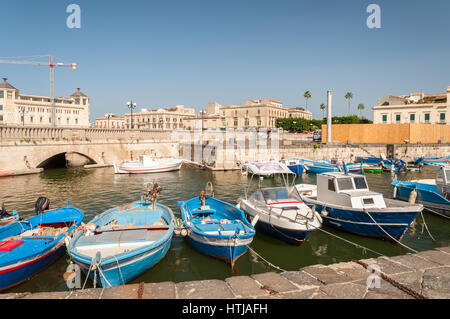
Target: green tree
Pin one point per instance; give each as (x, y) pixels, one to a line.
(361, 108)
(349, 96)
(323, 107)
(307, 96)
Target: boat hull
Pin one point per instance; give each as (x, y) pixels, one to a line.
(146, 170)
(356, 221)
(228, 250)
(297, 169)
(426, 195)
(320, 169)
(125, 270)
(14, 275)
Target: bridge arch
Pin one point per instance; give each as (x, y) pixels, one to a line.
(66, 159)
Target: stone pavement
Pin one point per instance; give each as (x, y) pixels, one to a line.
(426, 273)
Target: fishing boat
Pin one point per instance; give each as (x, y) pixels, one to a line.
(334, 165)
(346, 203)
(30, 245)
(432, 193)
(266, 169)
(371, 169)
(279, 211)
(147, 164)
(215, 227)
(295, 165)
(6, 218)
(387, 164)
(124, 242)
(431, 160)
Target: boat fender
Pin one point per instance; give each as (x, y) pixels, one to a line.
(177, 231)
(184, 232)
(318, 216)
(395, 192)
(412, 196)
(324, 212)
(67, 240)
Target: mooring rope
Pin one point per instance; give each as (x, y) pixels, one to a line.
(435, 212)
(426, 227)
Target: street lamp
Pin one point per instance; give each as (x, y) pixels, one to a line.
(108, 116)
(22, 113)
(131, 106)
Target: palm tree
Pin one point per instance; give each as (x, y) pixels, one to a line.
(361, 108)
(323, 107)
(307, 96)
(349, 96)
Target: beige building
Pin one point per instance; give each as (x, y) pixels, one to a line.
(110, 120)
(159, 119)
(18, 109)
(413, 108)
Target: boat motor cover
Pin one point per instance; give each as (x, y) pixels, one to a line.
(42, 204)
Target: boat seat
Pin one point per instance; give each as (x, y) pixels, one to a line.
(204, 211)
(114, 237)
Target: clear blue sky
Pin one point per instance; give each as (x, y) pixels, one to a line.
(164, 53)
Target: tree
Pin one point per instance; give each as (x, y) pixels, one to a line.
(307, 96)
(323, 107)
(349, 96)
(361, 108)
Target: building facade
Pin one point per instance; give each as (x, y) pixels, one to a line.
(110, 121)
(18, 109)
(414, 108)
(159, 119)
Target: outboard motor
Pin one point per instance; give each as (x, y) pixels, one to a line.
(42, 204)
(3, 212)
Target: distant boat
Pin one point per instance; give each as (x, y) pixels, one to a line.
(279, 211)
(266, 168)
(147, 164)
(216, 228)
(6, 218)
(387, 164)
(28, 246)
(123, 242)
(346, 203)
(432, 193)
(296, 165)
(371, 169)
(334, 165)
(431, 160)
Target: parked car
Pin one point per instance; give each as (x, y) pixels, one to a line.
(317, 136)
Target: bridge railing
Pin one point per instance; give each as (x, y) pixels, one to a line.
(29, 134)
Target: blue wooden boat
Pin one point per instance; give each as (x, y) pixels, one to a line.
(388, 164)
(28, 246)
(6, 218)
(216, 228)
(295, 165)
(346, 203)
(432, 193)
(123, 242)
(431, 160)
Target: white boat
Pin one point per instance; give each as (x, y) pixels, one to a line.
(279, 211)
(147, 164)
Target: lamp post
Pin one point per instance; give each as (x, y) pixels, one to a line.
(22, 113)
(131, 106)
(108, 116)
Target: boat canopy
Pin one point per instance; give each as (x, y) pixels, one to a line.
(277, 195)
(268, 168)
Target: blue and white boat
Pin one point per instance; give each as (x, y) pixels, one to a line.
(123, 242)
(432, 193)
(346, 203)
(279, 211)
(28, 246)
(431, 160)
(6, 218)
(215, 227)
(296, 165)
(388, 164)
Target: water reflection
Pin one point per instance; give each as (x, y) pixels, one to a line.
(97, 190)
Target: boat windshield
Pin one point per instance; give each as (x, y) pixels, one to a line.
(278, 194)
(447, 175)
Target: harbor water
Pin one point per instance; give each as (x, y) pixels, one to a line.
(97, 190)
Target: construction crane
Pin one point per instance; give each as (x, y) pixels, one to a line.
(52, 66)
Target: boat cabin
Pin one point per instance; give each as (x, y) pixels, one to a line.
(349, 190)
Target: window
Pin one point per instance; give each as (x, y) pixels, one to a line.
(9, 95)
(442, 117)
(412, 117)
(1, 118)
(439, 177)
(331, 185)
(384, 118)
(1, 107)
(360, 183)
(427, 117)
(345, 184)
(397, 118)
(368, 201)
(1, 95)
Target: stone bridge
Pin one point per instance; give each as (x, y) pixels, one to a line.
(25, 148)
